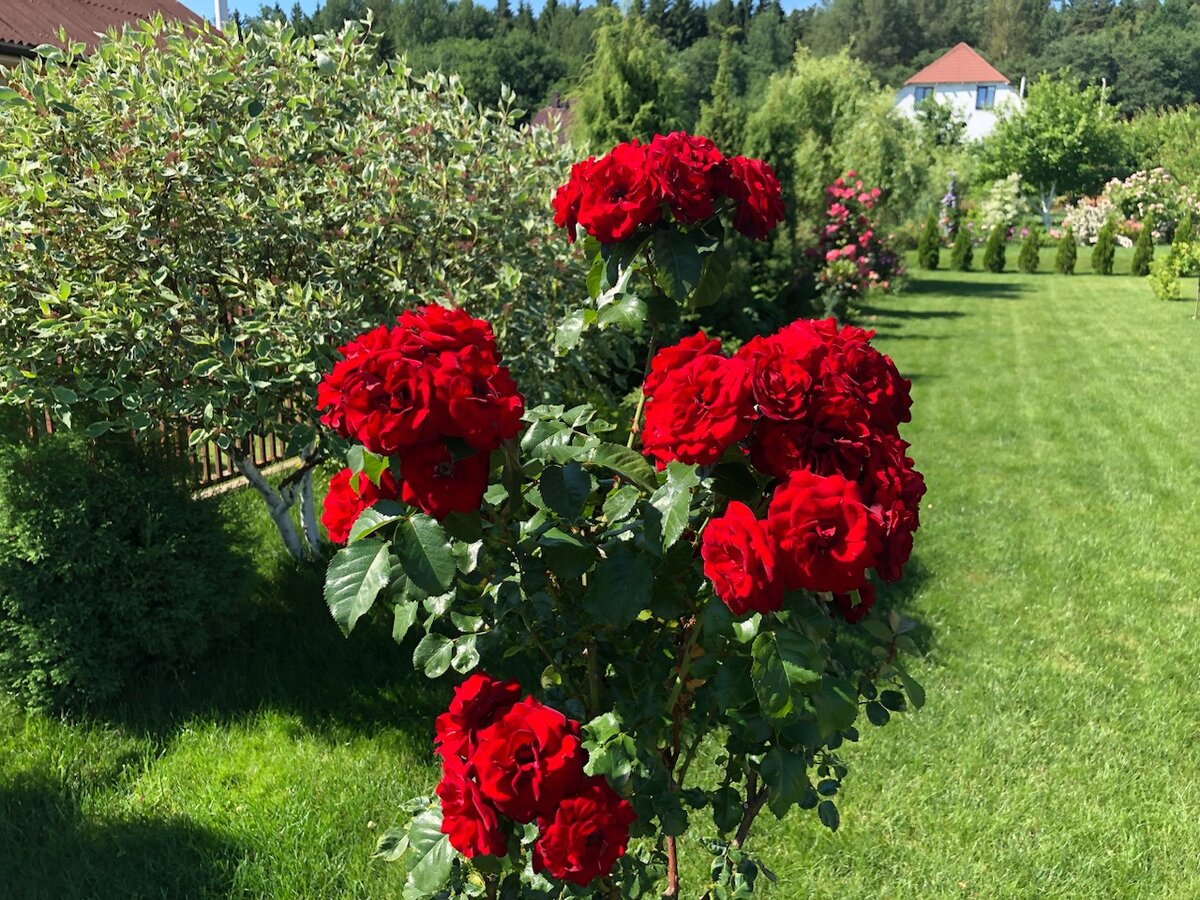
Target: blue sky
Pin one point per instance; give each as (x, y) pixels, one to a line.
(205, 7)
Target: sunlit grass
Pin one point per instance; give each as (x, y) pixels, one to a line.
(1056, 573)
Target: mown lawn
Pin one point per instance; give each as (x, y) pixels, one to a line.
(1055, 579)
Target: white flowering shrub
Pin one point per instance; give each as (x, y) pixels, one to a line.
(1003, 205)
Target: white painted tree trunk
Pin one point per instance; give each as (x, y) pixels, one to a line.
(1047, 201)
(279, 506)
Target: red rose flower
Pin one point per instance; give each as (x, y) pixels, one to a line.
(344, 379)
(739, 560)
(485, 407)
(470, 821)
(478, 702)
(683, 170)
(344, 503)
(529, 760)
(892, 490)
(392, 405)
(855, 612)
(822, 533)
(784, 370)
(569, 197)
(670, 359)
(824, 444)
(753, 185)
(433, 329)
(436, 483)
(585, 835)
(698, 411)
(618, 195)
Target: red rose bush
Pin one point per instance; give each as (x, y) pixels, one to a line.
(706, 574)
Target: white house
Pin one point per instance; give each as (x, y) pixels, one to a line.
(967, 82)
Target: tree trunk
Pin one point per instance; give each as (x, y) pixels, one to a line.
(308, 514)
(278, 506)
(1046, 199)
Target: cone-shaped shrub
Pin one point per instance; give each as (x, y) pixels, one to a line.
(1143, 251)
(929, 246)
(1030, 257)
(961, 253)
(1064, 260)
(1103, 252)
(993, 250)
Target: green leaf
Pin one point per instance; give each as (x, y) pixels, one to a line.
(782, 672)
(424, 552)
(325, 63)
(620, 502)
(430, 858)
(624, 461)
(64, 395)
(567, 556)
(466, 654)
(736, 481)
(224, 76)
(206, 367)
(836, 704)
(570, 329)
(565, 489)
(405, 614)
(8, 95)
(713, 277)
(621, 587)
(677, 263)
(727, 809)
(627, 312)
(827, 812)
(97, 428)
(671, 505)
(356, 575)
(371, 520)
(786, 774)
(913, 688)
(433, 655)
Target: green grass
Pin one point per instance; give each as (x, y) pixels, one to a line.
(1054, 577)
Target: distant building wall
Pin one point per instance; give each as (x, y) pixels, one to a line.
(962, 99)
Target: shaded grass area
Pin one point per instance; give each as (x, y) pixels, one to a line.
(1059, 753)
(1055, 580)
(258, 774)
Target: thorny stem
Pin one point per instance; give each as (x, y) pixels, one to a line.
(641, 403)
(685, 663)
(755, 801)
(672, 869)
(593, 668)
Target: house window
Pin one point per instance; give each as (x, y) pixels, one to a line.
(985, 96)
(921, 94)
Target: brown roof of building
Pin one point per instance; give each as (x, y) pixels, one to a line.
(32, 22)
(959, 65)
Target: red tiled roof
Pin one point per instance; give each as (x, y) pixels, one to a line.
(959, 65)
(34, 22)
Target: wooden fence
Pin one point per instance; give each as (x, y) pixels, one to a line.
(207, 464)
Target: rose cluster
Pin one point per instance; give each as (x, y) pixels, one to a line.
(818, 409)
(677, 176)
(848, 236)
(508, 760)
(431, 393)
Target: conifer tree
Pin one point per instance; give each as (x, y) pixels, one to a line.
(993, 250)
(1030, 256)
(723, 118)
(1064, 259)
(1104, 251)
(961, 254)
(929, 245)
(1143, 251)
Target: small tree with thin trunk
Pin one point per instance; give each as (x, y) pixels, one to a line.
(1064, 140)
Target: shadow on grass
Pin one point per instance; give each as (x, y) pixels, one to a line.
(288, 655)
(996, 290)
(49, 849)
